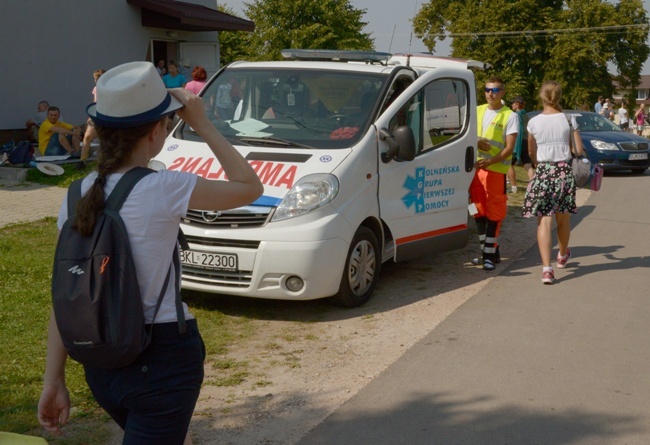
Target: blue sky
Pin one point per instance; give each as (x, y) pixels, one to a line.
(388, 23)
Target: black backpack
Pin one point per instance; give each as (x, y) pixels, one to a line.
(95, 292)
(21, 153)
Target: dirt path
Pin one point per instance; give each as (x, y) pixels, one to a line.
(301, 372)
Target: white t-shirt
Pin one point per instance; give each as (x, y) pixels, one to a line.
(512, 126)
(40, 117)
(151, 214)
(622, 115)
(552, 132)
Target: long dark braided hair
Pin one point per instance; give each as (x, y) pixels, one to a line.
(116, 146)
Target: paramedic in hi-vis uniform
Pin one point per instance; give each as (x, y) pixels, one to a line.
(498, 126)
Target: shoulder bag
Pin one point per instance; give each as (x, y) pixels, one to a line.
(585, 173)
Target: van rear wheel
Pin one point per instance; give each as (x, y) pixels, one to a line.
(361, 270)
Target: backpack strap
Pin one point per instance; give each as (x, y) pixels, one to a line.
(119, 194)
(571, 140)
(182, 241)
(124, 187)
(180, 313)
(74, 195)
(160, 299)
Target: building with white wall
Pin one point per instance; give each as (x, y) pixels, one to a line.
(50, 48)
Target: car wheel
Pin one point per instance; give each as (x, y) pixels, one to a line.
(361, 270)
(638, 171)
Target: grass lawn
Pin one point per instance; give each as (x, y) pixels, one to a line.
(70, 174)
(25, 266)
(26, 252)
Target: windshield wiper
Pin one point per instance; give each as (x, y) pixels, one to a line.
(271, 141)
(232, 139)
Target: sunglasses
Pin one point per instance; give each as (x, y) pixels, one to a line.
(492, 90)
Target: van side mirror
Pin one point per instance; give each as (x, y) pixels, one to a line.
(401, 144)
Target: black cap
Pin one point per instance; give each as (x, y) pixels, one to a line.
(519, 100)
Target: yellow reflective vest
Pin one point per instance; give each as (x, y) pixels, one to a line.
(497, 137)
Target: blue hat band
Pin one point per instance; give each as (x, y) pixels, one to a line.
(135, 120)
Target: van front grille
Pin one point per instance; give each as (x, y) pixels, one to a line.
(243, 217)
(220, 242)
(237, 280)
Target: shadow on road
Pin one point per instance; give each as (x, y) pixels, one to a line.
(448, 420)
(452, 421)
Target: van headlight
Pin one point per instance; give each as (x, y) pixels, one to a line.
(309, 193)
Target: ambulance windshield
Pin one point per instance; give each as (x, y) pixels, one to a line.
(293, 107)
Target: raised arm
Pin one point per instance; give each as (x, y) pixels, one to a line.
(243, 185)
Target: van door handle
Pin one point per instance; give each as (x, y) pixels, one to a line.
(469, 159)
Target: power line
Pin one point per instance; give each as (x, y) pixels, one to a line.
(646, 27)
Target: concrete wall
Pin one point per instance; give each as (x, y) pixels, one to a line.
(49, 50)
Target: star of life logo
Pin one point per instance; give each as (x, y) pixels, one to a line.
(415, 187)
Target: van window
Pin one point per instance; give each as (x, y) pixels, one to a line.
(437, 114)
(293, 107)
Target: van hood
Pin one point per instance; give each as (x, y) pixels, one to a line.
(279, 169)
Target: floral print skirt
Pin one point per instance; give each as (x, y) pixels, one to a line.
(552, 190)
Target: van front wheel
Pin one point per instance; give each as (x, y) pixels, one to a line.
(361, 270)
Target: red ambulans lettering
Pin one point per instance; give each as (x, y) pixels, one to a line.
(270, 173)
(176, 163)
(191, 164)
(288, 177)
(204, 169)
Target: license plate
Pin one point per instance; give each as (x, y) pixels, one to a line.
(209, 260)
(637, 156)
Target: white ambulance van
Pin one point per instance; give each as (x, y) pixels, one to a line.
(365, 158)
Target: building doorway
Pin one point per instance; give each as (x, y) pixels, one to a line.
(163, 50)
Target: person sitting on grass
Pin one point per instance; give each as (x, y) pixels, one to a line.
(56, 137)
(34, 123)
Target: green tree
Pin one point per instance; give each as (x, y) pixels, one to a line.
(232, 44)
(307, 24)
(529, 41)
(630, 48)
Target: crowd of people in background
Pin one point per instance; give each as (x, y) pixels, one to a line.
(628, 122)
(77, 140)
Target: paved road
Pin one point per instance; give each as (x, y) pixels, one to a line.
(22, 202)
(524, 363)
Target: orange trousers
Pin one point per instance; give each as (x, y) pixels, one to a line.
(488, 192)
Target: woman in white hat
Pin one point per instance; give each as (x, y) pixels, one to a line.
(152, 399)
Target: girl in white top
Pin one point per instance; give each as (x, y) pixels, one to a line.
(152, 399)
(552, 192)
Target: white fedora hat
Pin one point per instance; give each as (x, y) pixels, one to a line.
(129, 95)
